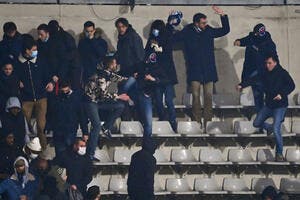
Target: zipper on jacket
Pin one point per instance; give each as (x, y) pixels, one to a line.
(31, 81)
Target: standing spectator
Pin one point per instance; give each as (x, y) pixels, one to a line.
(98, 97)
(35, 78)
(11, 44)
(198, 40)
(21, 183)
(8, 153)
(78, 166)
(92, 49)
(32, 149)
(93, 193)
(278, 84)
(9, 83)
(69, 113)
(258, 44)
(14, 120)
(159, 47)
(141, 172)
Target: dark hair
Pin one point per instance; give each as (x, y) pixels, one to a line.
(9, 27)
(27, 42)
(53, 26)
(64, 83)
(89, 24)
(78, 140)
(123, 21)
(198, 16)
(273, 56)
(107, 61)
(159, 25)
(93, 192)
(43, 27)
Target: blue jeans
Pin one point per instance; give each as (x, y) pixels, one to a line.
(169, 92)
(145, 108)
(63, 139)
(278, 115)
(114, 108)
(258, 95)
(127, 85)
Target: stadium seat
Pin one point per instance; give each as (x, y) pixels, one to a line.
(118, 185)
(161, 156)
(162, 128)
(123, 156)
(189, 128)
(103, 156)
(292, 155)
(207, 185)
(131, 128)
(177, 185)
(211, 156)
(224, 100)
(240, 156)
(296, 126)
(103, 182)
(265, 155)
(290, 185)
(244, 128)
(246, 98)
(218, 128)
(182, 156)
(259, 184)
(235, 185)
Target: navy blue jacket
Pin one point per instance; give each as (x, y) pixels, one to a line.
(277, 81)
(34, 74)
(92, 52)
(256, 50)
(130, 52)
(199, 50)
(70, 113)
(10, 47)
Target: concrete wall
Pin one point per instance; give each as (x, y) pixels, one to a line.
(282, 21)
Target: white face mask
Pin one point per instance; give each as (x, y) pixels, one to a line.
(33, 156)
(81, 151)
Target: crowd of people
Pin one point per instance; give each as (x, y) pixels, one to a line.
(64, 86)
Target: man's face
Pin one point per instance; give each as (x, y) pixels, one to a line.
(90, 31)
(42, 164)
(270, 64)
(14, 111)
(43, 35)
(20, 169)
(29, 51)
(121, 28)
(113, 66)
(10, 139)
(8, 69)
(65, 90)
(11, 34)
(78, 145)
(202, 23)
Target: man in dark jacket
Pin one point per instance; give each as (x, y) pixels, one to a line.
(69, 113)
(198, 40)
(278, 84)
(258, 44)
(33, 72)
(78, 166)
(92, 49)
(141, 172)
(11, 44)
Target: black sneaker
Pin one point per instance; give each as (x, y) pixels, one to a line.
(269, 132)
(94, 159)
(279, 158)
(107, 132)
(174, 126)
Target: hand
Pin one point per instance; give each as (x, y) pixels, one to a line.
(149, 78)
(218, 10)
(21, 84)
(49, 87)
(123, 97)
(239, 88)
(55, 78)
(73, 187)
(237, 43)
(85, 137)
(278, 97)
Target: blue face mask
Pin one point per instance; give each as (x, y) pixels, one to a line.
(34, 54)
(155, 32)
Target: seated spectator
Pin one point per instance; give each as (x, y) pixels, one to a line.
(93, 193)
(78, 166)
(98, 97)
(14, 120)
(11, 44)
(21, 183)
(9, 83)
(32, 149)
(69, 113)
(92, 49)
(35, 78)
(8, 153)
(141, 172)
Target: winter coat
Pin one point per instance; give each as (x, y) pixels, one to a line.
(10, 47)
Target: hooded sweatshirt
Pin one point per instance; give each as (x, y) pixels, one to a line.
(20, 184)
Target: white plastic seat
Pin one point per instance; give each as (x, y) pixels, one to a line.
(259, 184)
(123, 155)
(182, 155)
(292, 155)
(118, 185)
(161, 128)
(223, 100)
(296, 126)
(103, 156)
(234, 185)
(247, 99)
(206, 185)
(265, 155)
(244, 128)
(187, 100)
(161, 156)
(298, 98)
(177, 185)
(131, 128)
(102, 182)
(240, 155)
(218, 128)
(187, 128)
(211, 156)
(290, 185)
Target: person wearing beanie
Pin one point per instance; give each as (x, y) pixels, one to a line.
(32, 149)
(258, 44)
(141, 172)
(21, 183)
(93, 193)
(14, 120)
